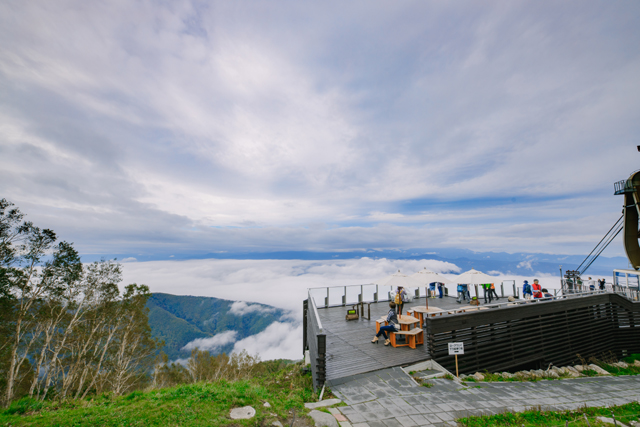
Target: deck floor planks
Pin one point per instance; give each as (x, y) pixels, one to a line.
(349, 347)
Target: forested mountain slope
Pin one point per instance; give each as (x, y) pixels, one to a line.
(179, 320)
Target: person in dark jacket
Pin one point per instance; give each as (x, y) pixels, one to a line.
(493, 292)
(526, 290)
(486, 287)
(440, 289)
(393, 325)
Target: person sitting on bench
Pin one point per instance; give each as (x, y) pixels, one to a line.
(393, 325)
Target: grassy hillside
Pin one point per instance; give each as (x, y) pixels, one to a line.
(285, 388)
(180, 319)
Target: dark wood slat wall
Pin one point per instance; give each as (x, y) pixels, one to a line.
(538, 334)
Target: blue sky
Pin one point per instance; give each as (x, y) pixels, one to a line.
(150, 128)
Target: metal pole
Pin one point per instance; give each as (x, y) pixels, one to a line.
(514, 291)
(375, 296)
(326, 300)
(502, 289)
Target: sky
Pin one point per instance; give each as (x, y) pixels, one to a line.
(152, 129)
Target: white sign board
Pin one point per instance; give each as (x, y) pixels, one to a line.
(456, 348)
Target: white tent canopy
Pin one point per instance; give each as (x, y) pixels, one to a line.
(474, 277)
(426, 276)
(398, 279)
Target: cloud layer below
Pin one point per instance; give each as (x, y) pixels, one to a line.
(283, 284)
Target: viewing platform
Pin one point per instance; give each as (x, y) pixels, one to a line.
(498, 336)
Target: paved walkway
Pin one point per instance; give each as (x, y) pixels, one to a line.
(390, 397)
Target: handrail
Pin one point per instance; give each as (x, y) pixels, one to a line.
(453, 312)
(315, 311)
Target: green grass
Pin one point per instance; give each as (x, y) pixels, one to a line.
(632, 358)
(624, 413)
(614, 370)
(201, 404)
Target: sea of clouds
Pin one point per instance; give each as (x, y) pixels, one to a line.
(282, 284)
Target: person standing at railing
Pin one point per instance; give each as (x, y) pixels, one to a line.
(537, 289)
(432, 290)
(462, 293)
(493, 292)
(487, 291)
(526, 290)
(392, 326)
(441, 289)
(400, 298)
(601, 284)
(592, 284)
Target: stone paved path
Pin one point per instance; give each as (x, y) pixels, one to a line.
(391, 398)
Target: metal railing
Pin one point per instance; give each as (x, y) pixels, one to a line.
(624, 186)
(316, 343)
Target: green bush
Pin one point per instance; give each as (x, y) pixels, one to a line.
(24, 406)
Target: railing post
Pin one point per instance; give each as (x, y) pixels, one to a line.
(375, 296)
(502, 290)
(326, 299)
(361, 292)
(344, 297)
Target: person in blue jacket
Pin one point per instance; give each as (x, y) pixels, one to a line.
(462, 293)
(527, 293)
(440, 289)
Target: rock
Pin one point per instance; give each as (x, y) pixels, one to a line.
(463, 376)
(322, 403)
(556, 370)
(636, 363)
(573, 371)
(539, 373)
(609, 421)
(578, 368)
(552, 374)
(620, 365)
(478, 376)
(598, 369)
(243, 413)
(277, 424)
(267, 405)
(322, 419)
(522, 375)
(507, 375)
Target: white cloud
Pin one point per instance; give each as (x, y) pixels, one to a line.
(129, 259)
(279, 283)
(212, 343)
(277, 341)
(240, 308)
(525, 264)
(162, 121)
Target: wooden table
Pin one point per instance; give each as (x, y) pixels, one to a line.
(413, 336)
(420, 312)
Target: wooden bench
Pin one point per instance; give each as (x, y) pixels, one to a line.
(413, 337)
(380, 322)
